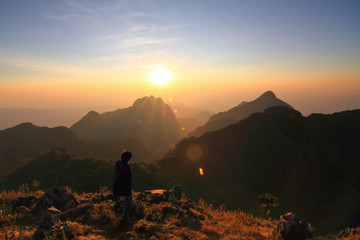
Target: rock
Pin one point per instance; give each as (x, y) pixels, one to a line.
(291, 228)
(81, 210)
(190, 219)
(23, 210)
(60, 198)
(98, 198)
(84, 201)
(165, 211)
(48, 220)
(39, 235)
(153, 196)
(28, 201)
(153, 237)
(176, 192)
(160, 195)
(156, 197)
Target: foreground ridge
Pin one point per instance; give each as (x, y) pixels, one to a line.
(158, 214)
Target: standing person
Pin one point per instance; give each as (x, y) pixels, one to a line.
(122, 183)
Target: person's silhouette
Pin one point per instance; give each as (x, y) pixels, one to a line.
(123, 183)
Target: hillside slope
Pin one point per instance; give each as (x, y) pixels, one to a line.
(310, 163)
(60, 167)
(22, 143)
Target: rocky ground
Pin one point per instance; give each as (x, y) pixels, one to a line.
(158, 214)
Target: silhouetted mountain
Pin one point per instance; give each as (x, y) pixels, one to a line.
(24, 142)
(189, 124)
(149, 119)
(310, 163)
(10, 117)
(183, 111)
(60, 167)
(242, 111)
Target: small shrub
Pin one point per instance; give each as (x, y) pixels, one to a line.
(267, 200)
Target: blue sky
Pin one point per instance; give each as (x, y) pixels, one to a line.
(53, 39)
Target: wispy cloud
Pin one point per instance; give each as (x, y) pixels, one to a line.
(43, 66)
(141, 41)
(152, 28)
(113, 27)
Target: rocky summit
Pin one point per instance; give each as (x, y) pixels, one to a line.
(157, 214)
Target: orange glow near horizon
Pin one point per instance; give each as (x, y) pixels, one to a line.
(212, 88)
(201, 171)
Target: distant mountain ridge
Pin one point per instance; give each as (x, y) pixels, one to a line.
(52, 117)
(310, 163)
(149, 119)
(242, 111)
(190, 118)
(60, 167)
(22, 143)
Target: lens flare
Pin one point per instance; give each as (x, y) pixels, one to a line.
(193, 152)
(160, 76)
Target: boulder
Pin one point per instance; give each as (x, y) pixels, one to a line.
(60, 198)
(173, 194)
(48, 220)
(291, 228)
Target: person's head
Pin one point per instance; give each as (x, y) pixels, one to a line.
(126, 155)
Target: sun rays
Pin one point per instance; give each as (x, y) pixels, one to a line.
(160, 76)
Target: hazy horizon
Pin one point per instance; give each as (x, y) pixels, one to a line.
(67, 116)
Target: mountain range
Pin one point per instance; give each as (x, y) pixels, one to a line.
(149, 120)
(310, 163)
(242, 111)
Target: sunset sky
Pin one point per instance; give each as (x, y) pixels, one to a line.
(69, 53)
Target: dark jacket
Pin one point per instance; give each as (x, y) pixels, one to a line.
(122, 179)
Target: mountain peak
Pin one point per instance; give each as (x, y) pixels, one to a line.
(25, 125)
(267, 95)
(92, 115)
(150, 99)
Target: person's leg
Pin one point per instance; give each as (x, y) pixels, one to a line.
(127, 207)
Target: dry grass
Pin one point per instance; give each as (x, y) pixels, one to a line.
(200, 221)
(224, 224)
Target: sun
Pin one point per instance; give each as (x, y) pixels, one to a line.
(160, 76)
